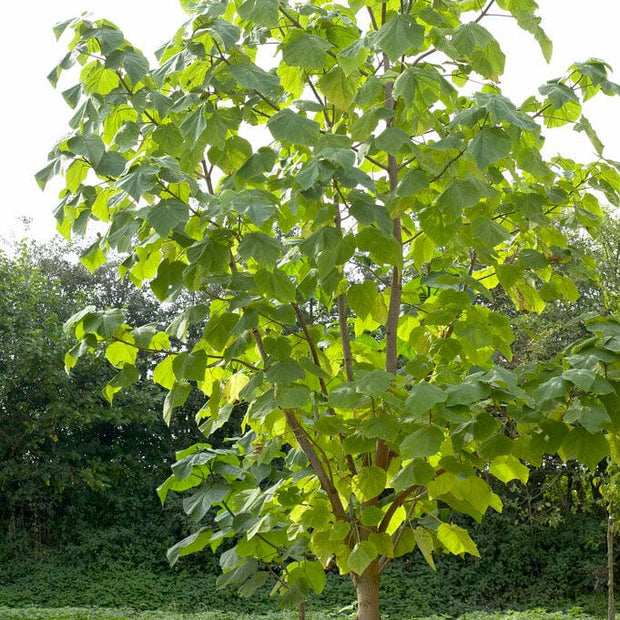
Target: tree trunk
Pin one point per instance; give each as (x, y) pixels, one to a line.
(611, 602)
(367, 587)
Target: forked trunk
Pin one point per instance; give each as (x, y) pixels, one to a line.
(367, 588)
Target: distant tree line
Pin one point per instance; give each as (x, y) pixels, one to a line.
(68, 457)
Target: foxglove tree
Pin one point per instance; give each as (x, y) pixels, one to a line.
(342, 189)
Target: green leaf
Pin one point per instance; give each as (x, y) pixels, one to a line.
(345, 396)
(563, 103)
(191, 544)
(225, 33)
(392, 140)
(555, 387)
(284, 372)
(489, 145)
(507, 468)
(89, 146)
(261, 12)
(308, 51)
(287, 126)
(374, 383)
(456, 540)
(361, 556)
(589, 413)
(426, 544)
(44, 175)
(176, 397)
(109, 36)
(198, 504)
(422, 397)
(75, 174)
(466, 393)
(383, 248)
(249, 76)
(369, 483)
(588, 448)
(189, 366)
(478, 46)
(310, 571)
(235, 152)
(275, 285)
(98, 80)
(420, 88)
(371, 516)
(167, 215)
(263, 248)
(339, 88)
(423, 442)
(111, 164)
(135, 64)
(415, 180)
(119, 354)
(365, 300)
(398, 36)
(260, 162)
(60, 27)
(110, 321)
(502, 110)
(139, 181)
(126, 377)
(406, 543)
(254, 583)
(416, 472)
(291, 396)
(258, 204)
(194, 124)
(581, 377)
(524, 11)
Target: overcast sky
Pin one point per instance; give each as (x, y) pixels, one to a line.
(34, 116)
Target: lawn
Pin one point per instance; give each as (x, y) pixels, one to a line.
(93, 613)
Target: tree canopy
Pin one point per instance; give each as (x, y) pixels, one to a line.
(348, 189)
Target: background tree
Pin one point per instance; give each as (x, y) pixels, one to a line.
(65, 452)
(351, 264)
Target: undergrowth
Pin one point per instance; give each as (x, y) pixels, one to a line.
(68, 613)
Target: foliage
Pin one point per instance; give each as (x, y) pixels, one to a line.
(351, 265)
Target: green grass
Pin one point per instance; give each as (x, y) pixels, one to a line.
(93, 613)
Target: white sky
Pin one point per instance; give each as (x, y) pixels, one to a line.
(34, 116)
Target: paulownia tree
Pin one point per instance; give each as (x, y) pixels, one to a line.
(342, 190)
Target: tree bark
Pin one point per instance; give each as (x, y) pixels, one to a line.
(367, 588)
(611, 602)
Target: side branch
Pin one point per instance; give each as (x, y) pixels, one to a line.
(315, 358)
(306, 445)
(484, 11)
(311, 344)
(347, 355)
(391, 326)
(399, 500)
(258, 339)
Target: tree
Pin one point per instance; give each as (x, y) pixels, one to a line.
(350, 189)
